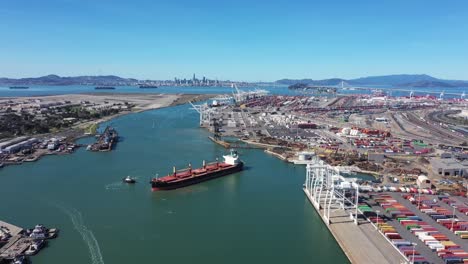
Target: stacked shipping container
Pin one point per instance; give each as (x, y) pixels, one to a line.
(449, 251)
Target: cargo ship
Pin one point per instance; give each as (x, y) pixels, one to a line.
(104, 88)
(19, 87)
(147, 86)
(189, 176)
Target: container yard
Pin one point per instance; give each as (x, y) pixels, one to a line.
(413, 210)
(394, 138)
(416, 227)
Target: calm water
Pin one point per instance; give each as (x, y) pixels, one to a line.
(257, 216)
(73, 89)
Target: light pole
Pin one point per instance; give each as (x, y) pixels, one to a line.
(377, 226)
(453, 218)
(414, 249)
(419, 200)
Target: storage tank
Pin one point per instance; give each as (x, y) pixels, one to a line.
(423, 182)
(305, 156)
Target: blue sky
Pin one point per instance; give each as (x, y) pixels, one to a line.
(253, 40)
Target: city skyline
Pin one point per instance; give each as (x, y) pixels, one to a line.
(261, 41)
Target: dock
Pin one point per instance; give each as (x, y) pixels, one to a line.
(358, 238)
(14, 243)
(12, 229)
(220, 142)
(15, 247)
(14, 240)
(360, 243)
(106, 141)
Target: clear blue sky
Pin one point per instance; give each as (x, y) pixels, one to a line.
(238, 40)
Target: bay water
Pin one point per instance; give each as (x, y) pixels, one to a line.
(259, 215)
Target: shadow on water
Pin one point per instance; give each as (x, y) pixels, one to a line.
(247, 168)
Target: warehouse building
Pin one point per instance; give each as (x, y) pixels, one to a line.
(18, 146)
(449, 167)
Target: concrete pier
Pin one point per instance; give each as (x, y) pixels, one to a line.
(361, 243)
(16, 244)
(12, 229)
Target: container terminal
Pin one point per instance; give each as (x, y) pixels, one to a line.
(395, 139)
(410, 207)
(400, 226)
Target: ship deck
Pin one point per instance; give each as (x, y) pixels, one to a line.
(199, 172)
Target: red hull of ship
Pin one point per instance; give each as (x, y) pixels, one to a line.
(171, 182)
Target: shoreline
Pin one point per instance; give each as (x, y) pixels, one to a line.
(78, 131)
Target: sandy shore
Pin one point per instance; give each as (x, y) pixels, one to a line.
(141, 101)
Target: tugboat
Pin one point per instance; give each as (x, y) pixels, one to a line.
(188, 176)
(129, 179)
(40, 232)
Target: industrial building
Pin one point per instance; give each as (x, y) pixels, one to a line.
(449, 167)
(17, 144)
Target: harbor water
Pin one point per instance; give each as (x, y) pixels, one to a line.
(40, 90)
(259, 215)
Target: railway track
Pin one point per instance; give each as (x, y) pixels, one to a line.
(438, 132)
(411, 134)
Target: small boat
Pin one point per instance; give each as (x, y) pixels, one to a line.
(34, 247)
(129, 179)
(20, 260)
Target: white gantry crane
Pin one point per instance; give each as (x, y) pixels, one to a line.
(241, 96)
(327, 190)
(204, 111)
(441, 96)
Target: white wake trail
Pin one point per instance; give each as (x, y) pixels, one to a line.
(87, 235)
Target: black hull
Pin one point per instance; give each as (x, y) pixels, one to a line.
(156, 186)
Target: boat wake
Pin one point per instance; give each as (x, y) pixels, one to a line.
(114, 186)
(87, 235)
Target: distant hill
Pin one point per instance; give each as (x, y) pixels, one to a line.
(397, 79)
(333, 81)
(78, 80)
(405, 80)
(428, 84)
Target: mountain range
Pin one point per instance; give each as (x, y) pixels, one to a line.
(78, 80)
(402, 80)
